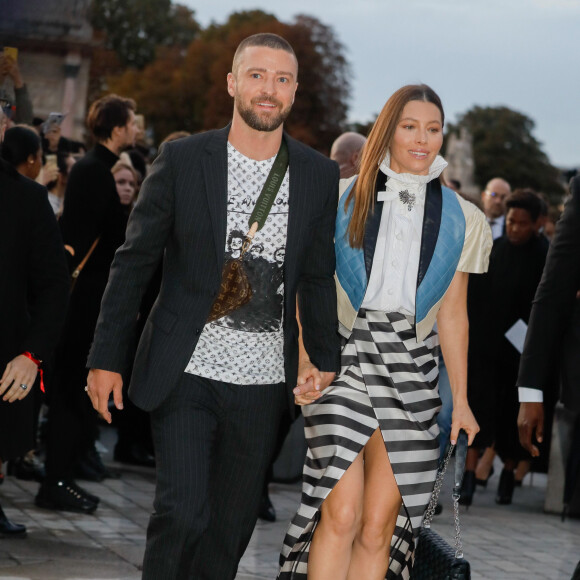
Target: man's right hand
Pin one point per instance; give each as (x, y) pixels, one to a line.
(100, 384)
(530, 420)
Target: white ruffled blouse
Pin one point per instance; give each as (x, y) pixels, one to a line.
(393, 282)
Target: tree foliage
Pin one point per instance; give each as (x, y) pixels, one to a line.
(503, 146)
(186, 90)
(134, 29)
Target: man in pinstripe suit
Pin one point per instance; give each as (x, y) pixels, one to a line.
(217, 391)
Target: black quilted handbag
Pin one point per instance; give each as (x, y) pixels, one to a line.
(435, 559)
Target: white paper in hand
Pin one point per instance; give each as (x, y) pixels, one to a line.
(517, 334)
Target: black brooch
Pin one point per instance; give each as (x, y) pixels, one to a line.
(407, 198)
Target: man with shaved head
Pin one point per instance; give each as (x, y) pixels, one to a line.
(218, 384)
(493, 199)
(346, 151)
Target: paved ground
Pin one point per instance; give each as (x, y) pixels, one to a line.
(502, 543)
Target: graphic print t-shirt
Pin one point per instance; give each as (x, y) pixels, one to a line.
(245, 347)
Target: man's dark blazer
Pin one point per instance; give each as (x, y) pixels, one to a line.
(181, 215)
(554, 304)
(92, 209)
(34, 288)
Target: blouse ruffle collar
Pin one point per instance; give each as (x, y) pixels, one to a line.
(437, 167)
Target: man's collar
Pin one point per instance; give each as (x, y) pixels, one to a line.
(105, 154)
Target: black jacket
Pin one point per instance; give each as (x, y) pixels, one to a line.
(181, 216)
(34, 288)
(554, 304)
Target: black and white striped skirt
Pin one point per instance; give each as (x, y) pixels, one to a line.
(388, 380)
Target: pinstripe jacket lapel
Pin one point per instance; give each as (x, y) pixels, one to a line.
(215, 169)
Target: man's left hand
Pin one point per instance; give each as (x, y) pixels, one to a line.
(530, 421)
(311, 382)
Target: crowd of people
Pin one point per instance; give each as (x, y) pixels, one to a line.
(239, 277)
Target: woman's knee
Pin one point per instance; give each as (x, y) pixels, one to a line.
(375, 534)
(342, 518)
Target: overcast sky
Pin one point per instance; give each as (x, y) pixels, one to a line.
(517, 53)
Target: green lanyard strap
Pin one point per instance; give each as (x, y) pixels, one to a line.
(271, 187)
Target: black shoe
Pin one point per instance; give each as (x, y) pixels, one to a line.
(267, 511)
(27, 468)
(483, 482)
(467, 488)
(10, 530)
(65, 495)
(94, 498)
(133, 454)
(505, 489)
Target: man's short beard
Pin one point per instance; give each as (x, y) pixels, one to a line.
(258, 123)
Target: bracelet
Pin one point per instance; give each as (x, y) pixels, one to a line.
(38, 363)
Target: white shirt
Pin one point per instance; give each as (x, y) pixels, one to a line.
(530, 395)
(393, 283)
(497, 226)
(246, 347)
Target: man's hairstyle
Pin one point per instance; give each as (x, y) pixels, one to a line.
(107, 113)
(266, 39)
(526, 199)
(235, 234)
(19, 144)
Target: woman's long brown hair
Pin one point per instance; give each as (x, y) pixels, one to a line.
(375, 150)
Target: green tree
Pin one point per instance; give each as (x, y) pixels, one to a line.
(503, 145)
(134, 29)
(194, 81)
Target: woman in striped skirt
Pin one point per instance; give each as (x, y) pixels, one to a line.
(404, 247)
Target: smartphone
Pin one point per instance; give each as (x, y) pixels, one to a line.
(55, 119)
(10, 51)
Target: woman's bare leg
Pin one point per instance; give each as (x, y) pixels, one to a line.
(341, 511)
(381, 504)
(485, 463)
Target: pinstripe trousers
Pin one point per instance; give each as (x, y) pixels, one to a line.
(214, 442)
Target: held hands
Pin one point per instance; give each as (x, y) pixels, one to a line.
(463, 418)
(311, 382)
(530, 420)
(20, 372)
(100, 384)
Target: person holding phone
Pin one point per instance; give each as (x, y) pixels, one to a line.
(9, 69)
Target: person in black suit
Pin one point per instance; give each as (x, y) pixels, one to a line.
(92, 211)
(218, 391)
(34, 287)
(552, 313)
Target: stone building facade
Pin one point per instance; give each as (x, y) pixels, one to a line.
(459, 156)
(54, 39)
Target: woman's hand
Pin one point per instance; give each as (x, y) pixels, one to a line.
(310, 383)
(463, 418)
(20, 372)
